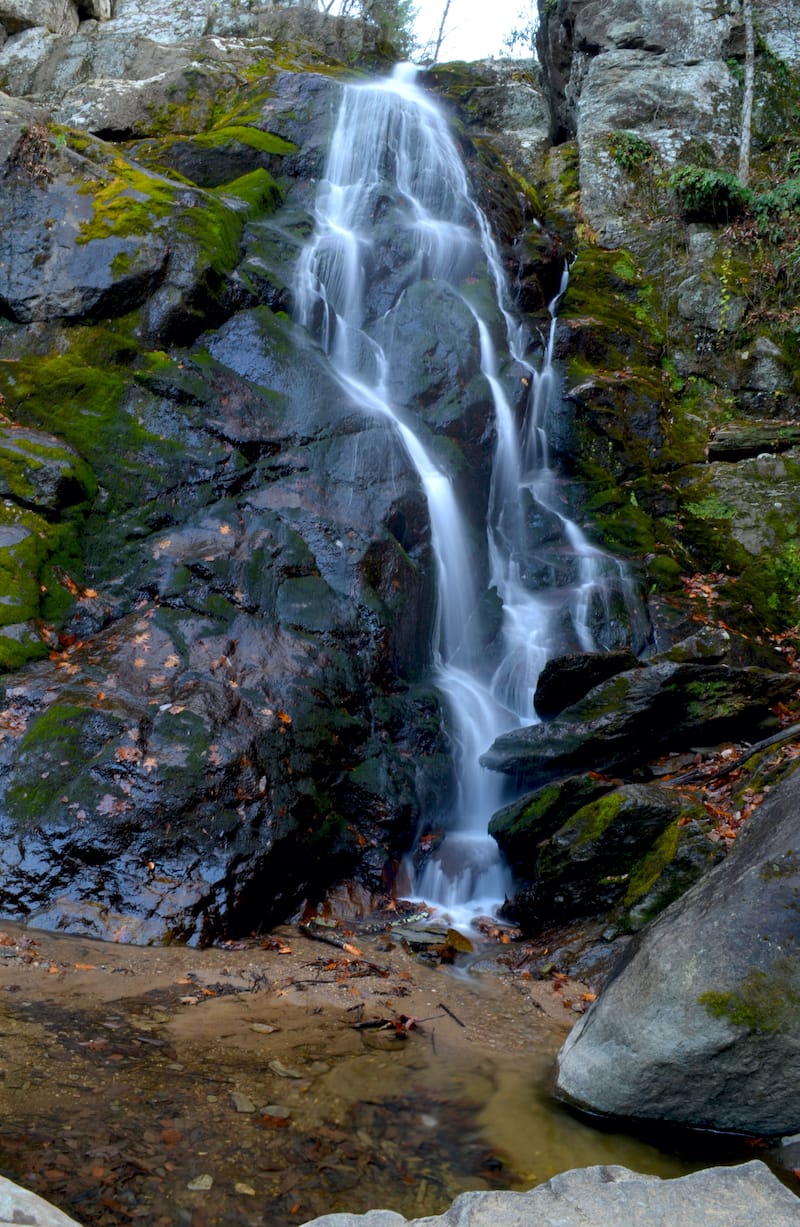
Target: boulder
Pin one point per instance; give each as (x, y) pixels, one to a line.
(565, 679)
(611, 1196)
(57, 16)
(699, 1024)
(635, 716)
(523, 826)
(18, 1205)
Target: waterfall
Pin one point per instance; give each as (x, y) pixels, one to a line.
(394, 182)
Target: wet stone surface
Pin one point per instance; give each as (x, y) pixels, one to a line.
(248, 1086)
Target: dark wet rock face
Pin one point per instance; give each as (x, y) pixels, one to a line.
(637, 715)
(227, 564)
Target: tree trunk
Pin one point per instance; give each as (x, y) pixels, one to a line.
(747, 100)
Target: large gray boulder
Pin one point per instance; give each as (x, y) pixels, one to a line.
(700, 1024)
(18, 1205)
(613, 1197)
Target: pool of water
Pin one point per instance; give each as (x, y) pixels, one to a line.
(251, 1088)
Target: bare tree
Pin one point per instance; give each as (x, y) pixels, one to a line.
(437, 44)
(749, 86)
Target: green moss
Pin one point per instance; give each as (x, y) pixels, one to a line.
(647, 871)
(75, 399)
(53, 746)
(131, 202)
(258, 190)
(592, 820)
(254, 138)
(764, 1003)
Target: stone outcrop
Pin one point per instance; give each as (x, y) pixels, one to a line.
(609, 1196)
(700, 1024)
(641, 713)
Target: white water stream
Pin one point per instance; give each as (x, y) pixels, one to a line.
(395, 179)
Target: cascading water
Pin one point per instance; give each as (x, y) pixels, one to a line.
(394, 182)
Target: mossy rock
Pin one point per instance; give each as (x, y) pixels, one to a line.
(522, 827)
(212, 159)
(681, 855)
(587, 864)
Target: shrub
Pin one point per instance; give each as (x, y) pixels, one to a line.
(708, 195)
(629, 151)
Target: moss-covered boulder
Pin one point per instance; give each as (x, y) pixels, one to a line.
(635, 716)
(522, 827)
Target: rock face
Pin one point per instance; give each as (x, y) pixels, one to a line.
(608, 1196)
(700, 1024)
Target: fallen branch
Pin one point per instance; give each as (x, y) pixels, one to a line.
(699, 777)
(450, 1013)
(331, 939)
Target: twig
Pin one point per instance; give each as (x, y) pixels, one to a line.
(450, 1013)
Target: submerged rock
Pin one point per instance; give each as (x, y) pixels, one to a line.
(610, 1196)
(700, 1023)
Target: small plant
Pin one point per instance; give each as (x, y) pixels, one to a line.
(30, 154)
(708, 195)
(711, 508)
(629, 151)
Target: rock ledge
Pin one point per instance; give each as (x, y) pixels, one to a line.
(609, 1196)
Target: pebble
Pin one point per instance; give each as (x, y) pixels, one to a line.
(262, 1028)
(282, 1070)
(277, 1110)
(242, 1102)
(246, 1190)
(200, 1184)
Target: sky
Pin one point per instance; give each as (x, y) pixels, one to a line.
(476, 28)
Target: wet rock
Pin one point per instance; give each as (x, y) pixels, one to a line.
(607, 1196)
(636, 715)
(565, 679)
(242, 1102)
(523, 826)
(600, 853)
(698, 1025)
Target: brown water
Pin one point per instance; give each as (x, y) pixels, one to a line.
(149, 1084)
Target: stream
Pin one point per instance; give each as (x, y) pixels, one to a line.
(239, 1086)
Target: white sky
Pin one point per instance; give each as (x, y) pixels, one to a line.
(476, 28)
